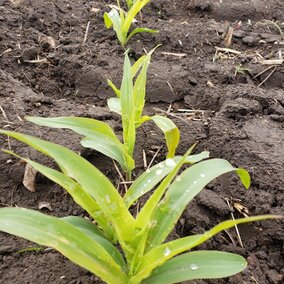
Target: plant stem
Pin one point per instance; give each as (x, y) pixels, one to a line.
(128, 176)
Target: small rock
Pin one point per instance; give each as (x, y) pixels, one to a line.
(29, 54)
(213, 201)
(276, 117)
(271, 38)
(6, 249)
(251, 40)
(239, 34)
(274, 276)
(240, 107)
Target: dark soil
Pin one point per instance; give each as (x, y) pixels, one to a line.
(239, 114)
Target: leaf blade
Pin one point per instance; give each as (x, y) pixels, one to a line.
(171, 132)
(156, 173)
(91, 179)
(95, 233)
(197, 265)
(56, 233)
(181, 192)
(98, 136)
(160, 254)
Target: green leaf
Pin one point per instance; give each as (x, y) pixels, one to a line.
(180, 193)
(143, 218)
(139, 30)
(95, 233)
(93, 182)
(64, 237)
(139, 63)
(134, 10)
(142, 223)
(144, 59)
(98, 136)
(151, 177)
(114, 105)
(128, 107)
(139, 91)
(160, 254)
(197, 265)
(114, 88)
(113, 18)
(82, 198)
(244, 176)
(170, 131)
(107, 20)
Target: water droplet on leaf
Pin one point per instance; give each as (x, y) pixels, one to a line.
(170, 162)
(108, 199)
(153, 223)
(158, 172)
(194, 266)
(202, 175)
(167, 252)
(178, 178)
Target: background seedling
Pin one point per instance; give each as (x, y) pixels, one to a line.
(276, 26)
(121, 21)
(239, 69)
(121, 248)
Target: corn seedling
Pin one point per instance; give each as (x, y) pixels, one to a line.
(239, 69)
(121, 21)
(116, 246)
(276, 26)
(129, 103)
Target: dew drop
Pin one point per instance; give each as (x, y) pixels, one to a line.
(149, 180)
(148, 171)
(170, 162)
(194, 266)
(161, 165)
(195, 182)
(202, 175)
(158, 172)
(153, 223)
(167, 252)
(108, 199)
(178, 178)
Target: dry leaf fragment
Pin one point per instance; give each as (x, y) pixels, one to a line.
(241, 208)
(210, 84)
(29, 178)
(228, 38)
(95, 10)
(47, 42)
(44, 204)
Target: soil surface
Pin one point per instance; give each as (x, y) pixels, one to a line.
(234, 101)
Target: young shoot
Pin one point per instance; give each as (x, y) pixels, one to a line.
(129, 103)
(121, 21)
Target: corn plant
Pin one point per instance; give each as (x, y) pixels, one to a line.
(129, 103)
(121, 21)
(115, 245)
